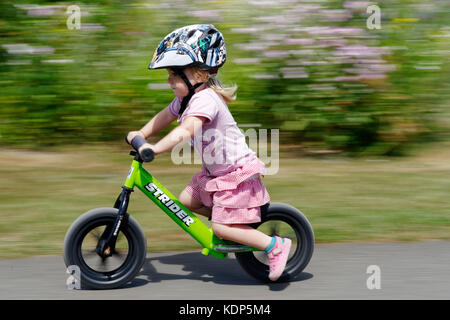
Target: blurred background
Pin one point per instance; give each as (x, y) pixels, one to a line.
(363, 113)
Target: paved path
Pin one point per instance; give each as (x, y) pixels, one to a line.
(337, 271)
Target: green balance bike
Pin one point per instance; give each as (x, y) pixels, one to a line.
(109, 246)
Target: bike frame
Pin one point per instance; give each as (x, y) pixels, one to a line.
(167, 202)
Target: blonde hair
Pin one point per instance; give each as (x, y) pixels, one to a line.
(227, 93)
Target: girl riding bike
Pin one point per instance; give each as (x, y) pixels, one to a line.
(228, 189)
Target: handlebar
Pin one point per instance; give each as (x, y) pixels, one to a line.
(146, 154)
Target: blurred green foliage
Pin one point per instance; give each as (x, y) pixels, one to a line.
(312, 69)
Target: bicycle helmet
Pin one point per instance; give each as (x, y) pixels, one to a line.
(199, 45)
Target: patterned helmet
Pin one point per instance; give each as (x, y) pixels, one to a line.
(199, 45)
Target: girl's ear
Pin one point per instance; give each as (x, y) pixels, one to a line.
(200, 75)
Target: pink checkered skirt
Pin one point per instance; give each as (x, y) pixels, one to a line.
(235, 197)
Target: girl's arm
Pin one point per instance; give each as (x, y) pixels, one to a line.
(179, 134)
(156, 124)
(159, 122)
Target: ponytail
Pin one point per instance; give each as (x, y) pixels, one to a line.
(227, 93)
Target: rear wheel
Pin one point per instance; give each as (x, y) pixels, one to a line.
(122, 263)
(285, 221)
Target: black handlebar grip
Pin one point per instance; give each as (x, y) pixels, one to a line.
(146, 154)
(137, 142)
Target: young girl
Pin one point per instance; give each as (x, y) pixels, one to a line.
(229, 189)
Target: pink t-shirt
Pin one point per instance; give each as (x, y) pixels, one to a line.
(221, 144)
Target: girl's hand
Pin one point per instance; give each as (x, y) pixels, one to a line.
(146, 152)
(146, 146)
(133, 134)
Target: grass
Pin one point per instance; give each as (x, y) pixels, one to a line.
(346, 200)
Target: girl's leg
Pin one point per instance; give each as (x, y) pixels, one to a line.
(193, 204)
(277, 250)
(242, 234)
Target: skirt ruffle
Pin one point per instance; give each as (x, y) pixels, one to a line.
(235, 197)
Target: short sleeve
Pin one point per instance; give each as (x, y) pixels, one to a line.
(174, 106)
(203, 105)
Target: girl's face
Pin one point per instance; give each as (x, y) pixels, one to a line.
(177, 84)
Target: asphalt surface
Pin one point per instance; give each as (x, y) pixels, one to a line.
(336, 271)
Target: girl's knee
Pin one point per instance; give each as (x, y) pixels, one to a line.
(189, 201)
(219, 230)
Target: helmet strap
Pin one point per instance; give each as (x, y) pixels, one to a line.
(191, 89)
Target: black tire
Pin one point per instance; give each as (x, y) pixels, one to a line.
(301, 234)
(98, 274)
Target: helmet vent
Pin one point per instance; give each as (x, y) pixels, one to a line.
(191, 33)
(216, 43)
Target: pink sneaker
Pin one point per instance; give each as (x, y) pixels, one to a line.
(278, 257)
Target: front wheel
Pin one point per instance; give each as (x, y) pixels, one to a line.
(279, 219)
(123, 262)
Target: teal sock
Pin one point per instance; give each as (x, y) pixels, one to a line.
(271, 245)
